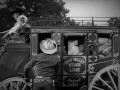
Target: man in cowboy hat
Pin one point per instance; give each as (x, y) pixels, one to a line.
(20, 31)
(46, 66)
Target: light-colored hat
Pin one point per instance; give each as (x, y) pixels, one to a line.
(22, 18)
(48, 46)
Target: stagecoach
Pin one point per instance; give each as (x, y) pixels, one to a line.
(89, 54)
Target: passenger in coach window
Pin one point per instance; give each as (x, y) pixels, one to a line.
(104, 45)
(81, 48)
(74, 48)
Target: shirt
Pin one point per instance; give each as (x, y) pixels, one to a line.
(44, 65)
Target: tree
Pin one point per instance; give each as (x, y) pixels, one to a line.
(32, 8)
(5, 18)
(114, 21)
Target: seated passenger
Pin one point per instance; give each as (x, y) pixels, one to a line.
(81, 48)
(104, 47)
(19, 33)
(93, 49)
(74, 49)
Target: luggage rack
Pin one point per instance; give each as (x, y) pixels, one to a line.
(74, 21)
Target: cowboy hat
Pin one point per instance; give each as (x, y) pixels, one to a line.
(48, 46)
(22, 18)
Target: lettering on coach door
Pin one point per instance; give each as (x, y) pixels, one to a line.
(73, 81)
(75, 65)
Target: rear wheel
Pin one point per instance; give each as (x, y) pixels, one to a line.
(14, 83)
(106, 79)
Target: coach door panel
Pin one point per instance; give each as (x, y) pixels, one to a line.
(75, 53)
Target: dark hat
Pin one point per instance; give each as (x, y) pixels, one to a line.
(17, 10)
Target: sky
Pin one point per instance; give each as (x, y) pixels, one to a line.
(93, 8)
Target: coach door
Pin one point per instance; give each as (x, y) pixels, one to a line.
(77, 49)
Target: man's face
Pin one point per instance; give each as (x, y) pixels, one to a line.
(81, 48)
(15, 15)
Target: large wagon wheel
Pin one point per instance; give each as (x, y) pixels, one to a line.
(14, 83)
(106, 79)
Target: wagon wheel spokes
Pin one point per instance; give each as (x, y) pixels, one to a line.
(112, 80)
(14, 83)
(4, 87)
(106, 79)
(105, 83)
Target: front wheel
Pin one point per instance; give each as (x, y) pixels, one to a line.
(106, 79)
(14, 83)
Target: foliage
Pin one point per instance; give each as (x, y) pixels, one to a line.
(5, 21)
(114, 21)
(32, 8)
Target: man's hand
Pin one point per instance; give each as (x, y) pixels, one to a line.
(27, 80)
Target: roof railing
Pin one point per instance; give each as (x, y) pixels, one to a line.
(74, 21)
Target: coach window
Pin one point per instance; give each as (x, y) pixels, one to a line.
(104, 45)
(74, 44)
